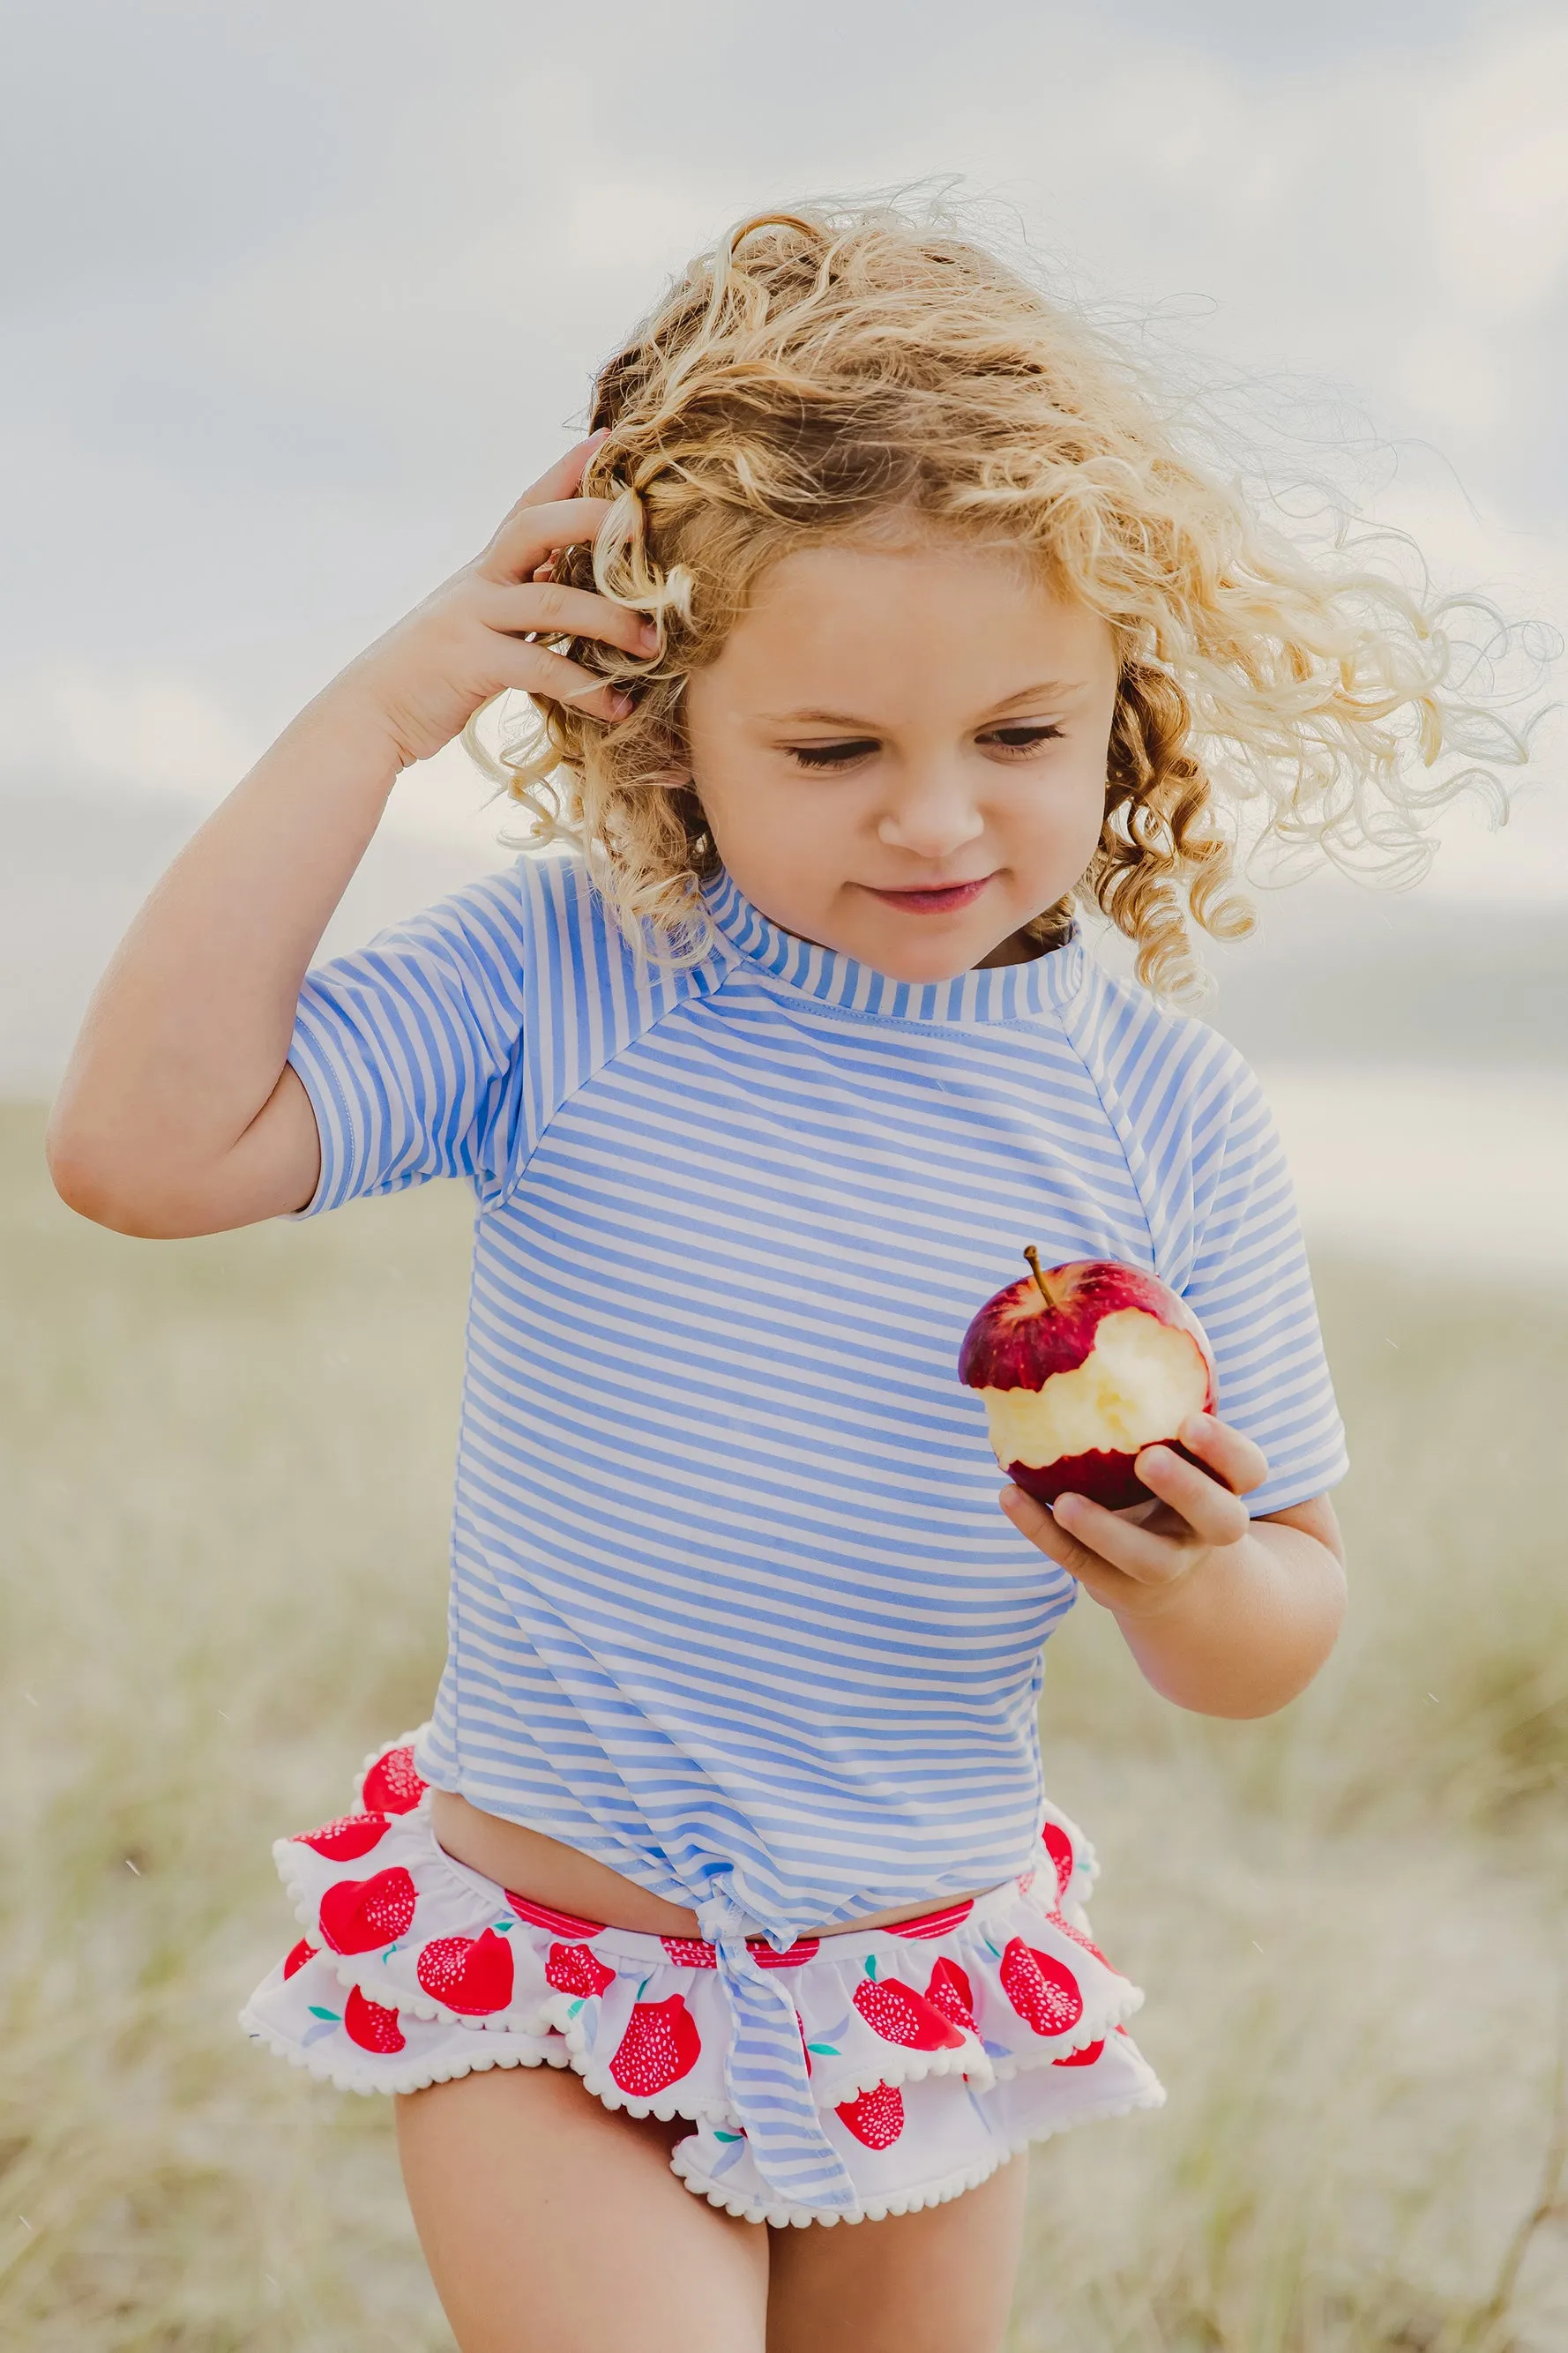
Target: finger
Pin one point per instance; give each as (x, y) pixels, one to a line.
(1138, 1552)
(1214, 1515)
(552, 678)
(1047, 1534)
(560, 481)
(1240, 1464)
(532, 533)
(533, 607)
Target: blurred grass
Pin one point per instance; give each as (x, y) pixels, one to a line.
(225, 1471)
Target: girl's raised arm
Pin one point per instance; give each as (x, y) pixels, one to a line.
(179, 1114)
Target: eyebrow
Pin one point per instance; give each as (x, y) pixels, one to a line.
(1045, 691)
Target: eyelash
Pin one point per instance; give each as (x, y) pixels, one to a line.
(844, 755)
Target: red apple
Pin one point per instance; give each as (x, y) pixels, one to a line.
(471, 1974)
(573, 1968)
(1046, 1995)
(899, 2014)
(371, 2024)
(951, 1992)
(358, 1915)
(1080, 1367)
(347, 1838)
(660, 2044)
(875, 2118)
(392, 1785)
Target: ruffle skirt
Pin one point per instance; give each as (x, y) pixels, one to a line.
(935, 2050)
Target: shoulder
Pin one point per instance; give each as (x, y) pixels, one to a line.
(1190, 1115)
(535, 920)
(1160, 1062)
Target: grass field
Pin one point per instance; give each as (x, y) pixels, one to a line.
(222, 1483)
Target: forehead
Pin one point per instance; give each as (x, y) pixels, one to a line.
(943, 620)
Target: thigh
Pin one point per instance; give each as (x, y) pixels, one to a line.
(937, 2282)
(552, 2224)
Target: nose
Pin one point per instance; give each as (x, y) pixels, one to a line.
(930, 816)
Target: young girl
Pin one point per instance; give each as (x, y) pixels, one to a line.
(880, 623)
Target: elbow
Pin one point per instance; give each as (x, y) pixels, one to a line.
(1295, 1673)
(94, 1179)
(74, 1168)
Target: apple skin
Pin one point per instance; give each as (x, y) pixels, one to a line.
(1020, 1340)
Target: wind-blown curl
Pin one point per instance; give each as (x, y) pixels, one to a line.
(854, 373)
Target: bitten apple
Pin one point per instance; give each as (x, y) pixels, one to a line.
(1080, 1367)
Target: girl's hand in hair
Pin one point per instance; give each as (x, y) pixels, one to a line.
(480, 632)
(180, 1113)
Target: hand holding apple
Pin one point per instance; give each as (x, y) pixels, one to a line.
(1098, 1385)
(1135, 1563)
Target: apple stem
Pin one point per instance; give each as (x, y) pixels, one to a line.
(1032, 1255)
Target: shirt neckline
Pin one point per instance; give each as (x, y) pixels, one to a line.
(1000, 993)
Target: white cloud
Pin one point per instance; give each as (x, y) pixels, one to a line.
(367, 373)
(167, 737)
(143, 731)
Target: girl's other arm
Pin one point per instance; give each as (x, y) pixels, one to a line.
(179, 1114)
(1225, 1614)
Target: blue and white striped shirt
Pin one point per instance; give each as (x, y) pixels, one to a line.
(733, 1609)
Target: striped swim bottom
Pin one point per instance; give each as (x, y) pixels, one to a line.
(935, 2048)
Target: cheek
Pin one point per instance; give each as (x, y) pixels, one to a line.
(1062, 818)
(780, 826)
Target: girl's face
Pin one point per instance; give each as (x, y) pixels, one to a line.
(901, 753)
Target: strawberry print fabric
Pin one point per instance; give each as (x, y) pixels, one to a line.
(933, 2050)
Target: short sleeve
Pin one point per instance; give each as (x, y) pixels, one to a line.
(408, 1047)
(1251, 1289)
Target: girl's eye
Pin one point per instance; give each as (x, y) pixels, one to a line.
(833, 755)
(1022, 739)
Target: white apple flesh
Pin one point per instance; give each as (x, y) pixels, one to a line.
(1080, 1367)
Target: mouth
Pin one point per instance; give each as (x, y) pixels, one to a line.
(933, 899)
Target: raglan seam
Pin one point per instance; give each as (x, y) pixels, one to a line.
(1116, 1115)
(694, 981)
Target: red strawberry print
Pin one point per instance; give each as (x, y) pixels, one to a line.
(951, 1992)
(804, 2045)
(1044, 1994)
(660, 2044)
(1077, 1935)
(391, 1785)
(573, 1969)
(349, 1837)
(875, 2118)
(899, 2014)
(1058, 1846)
(303, 1951)
(805, 1949)
(1084, 2058)
(690, 1952)
(372, 2026)
(471, 1975)
(358, 1915)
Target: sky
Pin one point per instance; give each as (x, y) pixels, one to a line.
(298, 298)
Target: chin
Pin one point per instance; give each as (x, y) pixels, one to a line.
(920, 969)
(920, 948)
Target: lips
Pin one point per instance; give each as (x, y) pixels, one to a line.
(938, 899)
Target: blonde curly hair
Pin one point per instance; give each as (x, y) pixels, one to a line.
(832, 373)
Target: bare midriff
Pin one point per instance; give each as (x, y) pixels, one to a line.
(564, 1881)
